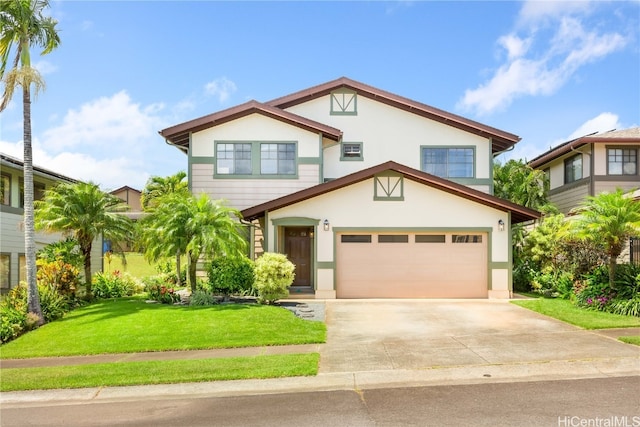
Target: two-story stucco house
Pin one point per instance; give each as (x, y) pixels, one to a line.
(590, 165)
(12, 252)
(369, 194)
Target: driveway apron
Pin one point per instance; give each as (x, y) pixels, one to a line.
(371, 335)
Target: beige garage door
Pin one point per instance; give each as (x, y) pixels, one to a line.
(411, 265)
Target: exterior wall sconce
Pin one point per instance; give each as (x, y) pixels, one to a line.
(500, 225)
(325, 225)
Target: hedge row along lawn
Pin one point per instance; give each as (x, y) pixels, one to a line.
(588, 319)
(129, 325)
(159, 372)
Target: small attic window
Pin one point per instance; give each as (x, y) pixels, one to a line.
(344, 102)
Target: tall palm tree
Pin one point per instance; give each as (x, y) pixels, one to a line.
(85, 212)
(23, 25)
(609, 218)
(158, 187)
(195, 227)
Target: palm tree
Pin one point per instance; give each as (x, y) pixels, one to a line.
(85, 212)
(609, 218)
(158, 187)
(192, 226)
(23, 25)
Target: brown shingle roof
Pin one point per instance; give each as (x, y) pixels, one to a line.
(623, 136)
(179, 134)
(501, 140)
(518, 213)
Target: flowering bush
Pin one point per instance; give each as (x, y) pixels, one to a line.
(114, 285)
(64, 277)
(158, 290)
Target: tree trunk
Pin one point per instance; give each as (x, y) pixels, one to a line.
(33, 298)
(178, 278)
(191, 277)
(86, 252)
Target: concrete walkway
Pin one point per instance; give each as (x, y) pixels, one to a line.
(389, 343)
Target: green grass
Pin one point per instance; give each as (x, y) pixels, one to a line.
(567, 312)
(631, 340)
(136, 265)
(130, 325)
(159, 372)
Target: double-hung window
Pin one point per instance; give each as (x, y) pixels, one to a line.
(277, 159)
(233, 159)
(448, 162)
(573, 169)
(622, 161)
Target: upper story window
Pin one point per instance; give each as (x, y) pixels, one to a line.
(344, 102)
(233, 159)
(448, 162)
(573, 169)
(5, 188)
(622, 161)
(351, 151)
(38, 191)
(278, 159)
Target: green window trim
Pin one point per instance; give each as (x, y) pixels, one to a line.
(622, 161)
(344, 103)
(388, 187)
(351, 151)
(255, 155)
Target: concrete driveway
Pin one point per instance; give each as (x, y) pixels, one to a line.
(374, 335)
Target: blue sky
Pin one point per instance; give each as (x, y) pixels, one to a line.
(547, 71)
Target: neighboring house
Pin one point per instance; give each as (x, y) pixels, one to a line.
(12, 252)
(368, 193)
(590, 165)
(132, 198)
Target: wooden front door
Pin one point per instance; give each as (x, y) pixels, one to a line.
(297, 245)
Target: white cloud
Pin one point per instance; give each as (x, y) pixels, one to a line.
(542, 71)
(45, 67)
(222, 88)
(601, 123)
(107, 120)
(86, 25)
(538, 12)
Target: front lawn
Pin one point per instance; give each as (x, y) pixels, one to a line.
(131, 325)
(567, 312)
(159, 372)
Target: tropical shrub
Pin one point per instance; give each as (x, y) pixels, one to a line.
(159, 290)
(231, 275)
(114, 285)
(627, 307)
(64, 277)
(274, 273)
(553, 283)
(53, 304)
(202, 298)
(167, 268)
(66, 250)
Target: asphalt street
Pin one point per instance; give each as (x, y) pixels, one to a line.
(566, 403)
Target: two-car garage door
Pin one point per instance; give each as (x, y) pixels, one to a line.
(411, 265)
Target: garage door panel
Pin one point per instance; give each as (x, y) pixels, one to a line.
(412, 270)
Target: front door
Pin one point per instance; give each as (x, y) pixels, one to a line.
(297, 245)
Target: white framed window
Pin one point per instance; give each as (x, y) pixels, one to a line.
(454, 162)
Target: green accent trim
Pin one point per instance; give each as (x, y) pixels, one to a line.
(326, 265)
(473, 147)
(613, 178)
(321, 153)
(295, 221)
(500, 265)
(510, 254)
(190, 166)
(351, 159)
(474, 181)
(309, 161)
(11, 210)
(255, 161)
(490, 167)
(341, 105)
(388, 188)
(201, 160)
(265, 233)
